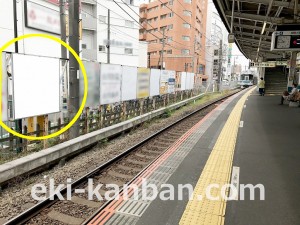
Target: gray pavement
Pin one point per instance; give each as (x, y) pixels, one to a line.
(169, 212)
(268, 153)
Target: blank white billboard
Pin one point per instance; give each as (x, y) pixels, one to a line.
(36, 86)
(189, 81)
(171, 82)
(154, 82)
(183, 81)
(110, 83)
(93, 77)
(4, 88)
(129, 79)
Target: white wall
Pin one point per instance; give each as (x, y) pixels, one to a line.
(34, 46)
(119, 33)
(143, 49)
(6, 23)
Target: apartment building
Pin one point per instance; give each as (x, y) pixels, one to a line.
(175, 31)
(124, 44)
(218, 52)
(43, 16)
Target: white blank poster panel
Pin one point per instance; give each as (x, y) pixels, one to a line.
(36, 85)
(110, 83)
(129, 79)
(190, 81)
(154, 82)
(183, 81)
(171, 81)
(4, 89)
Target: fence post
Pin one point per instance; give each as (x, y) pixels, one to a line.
(37, 130)
(86, 120)
(141, 106)
(123, 111)
(25, 141)
(59, 127)
(46, 126)
(99, 117)
(11, 142)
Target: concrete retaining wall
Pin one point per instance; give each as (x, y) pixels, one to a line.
(53, 154)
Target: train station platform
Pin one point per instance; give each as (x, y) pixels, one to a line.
(247, 139)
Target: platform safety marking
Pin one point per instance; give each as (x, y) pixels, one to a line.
(217, 170)
(241, 123)
(235, 181)
(171, 158)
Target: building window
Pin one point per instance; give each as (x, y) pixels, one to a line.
(170, 39)
(102, 19)
(163, 5)
(216, 62)
(163, 16)
(171, 2)
(185, 52)
(101, 48)
(169, 51)
(153, 41)
(155, 30)
(188, 1)
(83, 46)
(187, 25)
(216, 52)
(186, 38)
(170, 26)
(171, 14)
(128, 23)
(155, 18)
(187, 13)
(128, 51)
(163, 28)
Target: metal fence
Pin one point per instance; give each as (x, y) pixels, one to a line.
(96, 118)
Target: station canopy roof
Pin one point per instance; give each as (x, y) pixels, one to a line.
(249, 19)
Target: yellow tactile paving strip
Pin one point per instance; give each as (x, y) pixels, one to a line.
(217, 170)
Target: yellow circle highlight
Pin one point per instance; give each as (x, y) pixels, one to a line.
(85, 86)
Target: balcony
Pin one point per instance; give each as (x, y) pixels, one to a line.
(143, 37)
(143, 15)
(89, 23)
(143, 6)
(90, 54)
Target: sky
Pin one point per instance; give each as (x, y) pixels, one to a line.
(241, 59)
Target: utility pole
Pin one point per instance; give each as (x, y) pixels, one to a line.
(193, 61)
(162, 52)
(62, 11)
(108, 36)
(18, 123)
(149, 60)
(220, 62)
(73, 66)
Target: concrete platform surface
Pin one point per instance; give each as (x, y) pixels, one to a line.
(265, 150)
(268, 153)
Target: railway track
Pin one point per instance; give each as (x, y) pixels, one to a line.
(119, 171)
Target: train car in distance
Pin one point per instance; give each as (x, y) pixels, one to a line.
(247, 79)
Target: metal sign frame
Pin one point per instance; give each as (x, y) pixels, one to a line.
(287, 38)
